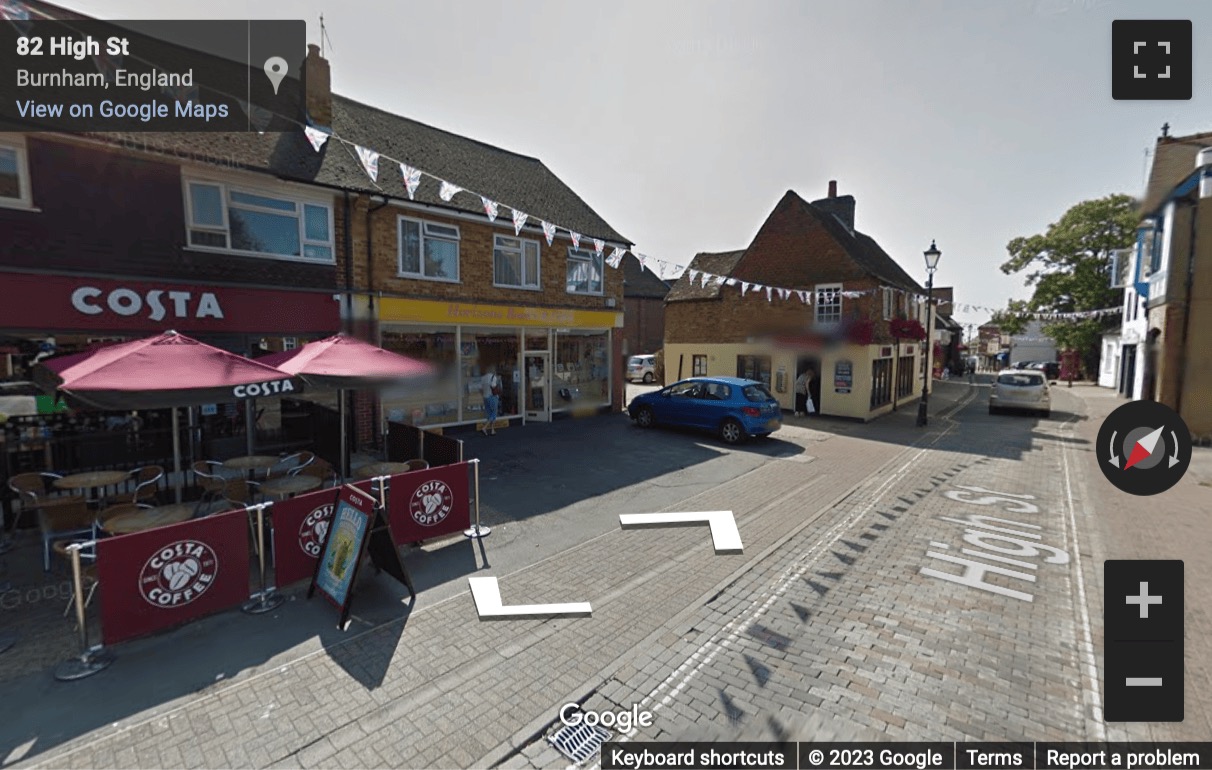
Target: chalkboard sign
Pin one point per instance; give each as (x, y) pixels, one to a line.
(843, 376)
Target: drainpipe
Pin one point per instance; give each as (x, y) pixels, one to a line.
(370, 298)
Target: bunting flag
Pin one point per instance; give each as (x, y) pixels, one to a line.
(548, 230)
(616, 257)
(576, 239)
(315, 136)
(370, 162)
(744, 288)
(598, 245)
(784, 293)
(694, 275)
(519, 219)
(490, 208)
(448, 191)
(641, 257)
(804, 297)
(412, 179)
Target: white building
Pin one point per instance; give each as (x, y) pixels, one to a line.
(1123, 355)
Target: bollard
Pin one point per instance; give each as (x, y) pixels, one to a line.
(476, 530)
(268, 598)
(92, 659)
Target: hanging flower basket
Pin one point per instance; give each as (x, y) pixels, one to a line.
(860, 332)
(906, 329)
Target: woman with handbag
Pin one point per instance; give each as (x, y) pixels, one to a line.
(490, 388)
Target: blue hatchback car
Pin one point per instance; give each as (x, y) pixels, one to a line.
(731, 407)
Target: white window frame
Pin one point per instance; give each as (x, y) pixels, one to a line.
(592, 257)
(290, 343)
(24, 199)
(424, 226)
(834, 289)
(889, 304)
(537, 285)
(292, 196)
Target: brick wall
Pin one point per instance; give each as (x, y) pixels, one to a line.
(644, 325)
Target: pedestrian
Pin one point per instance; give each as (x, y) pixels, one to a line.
(801, 392)
(490, 388)
(971, 372)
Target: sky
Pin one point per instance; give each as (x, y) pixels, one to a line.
(683, 122)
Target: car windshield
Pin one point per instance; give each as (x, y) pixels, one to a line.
(757, 392)
(1020, 380)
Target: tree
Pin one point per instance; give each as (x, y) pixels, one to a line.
(1069, 267)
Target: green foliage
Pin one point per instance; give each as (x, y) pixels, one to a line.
(1068, 266)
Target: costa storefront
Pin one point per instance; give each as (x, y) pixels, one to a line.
(551, 361)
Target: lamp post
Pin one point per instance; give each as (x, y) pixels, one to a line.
(932, 255)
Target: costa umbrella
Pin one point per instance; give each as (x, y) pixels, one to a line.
(341, 363)
(169, 370)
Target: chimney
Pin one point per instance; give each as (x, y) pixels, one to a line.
(317, 80)
(841, 207)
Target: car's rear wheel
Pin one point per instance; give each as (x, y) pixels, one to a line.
(644, 417)
(732, 432)
(648, 378)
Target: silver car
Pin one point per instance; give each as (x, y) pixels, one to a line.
(1024, 390)
(641, 368)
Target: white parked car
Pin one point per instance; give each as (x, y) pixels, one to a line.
(1024, 390)
(641, 368)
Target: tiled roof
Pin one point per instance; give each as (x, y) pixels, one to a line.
(720, 263)
(1173, 161)
(641, 282)
(863, 249)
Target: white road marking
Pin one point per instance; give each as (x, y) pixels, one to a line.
(487, 596)
(724, 534)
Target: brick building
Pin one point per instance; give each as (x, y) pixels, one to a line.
(643, 308)
(844, 334)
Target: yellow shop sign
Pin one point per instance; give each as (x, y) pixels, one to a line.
(437, 312)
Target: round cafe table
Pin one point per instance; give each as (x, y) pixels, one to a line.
(382, 469)
(149, 518)
(252, 464)
(91, 480)
(286, 486)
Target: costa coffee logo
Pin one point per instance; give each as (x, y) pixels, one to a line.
(314, 529)
(127, 302)
(178, 574)
(263, 389)
(431, 503)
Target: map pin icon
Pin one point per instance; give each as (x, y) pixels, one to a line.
(275, 70)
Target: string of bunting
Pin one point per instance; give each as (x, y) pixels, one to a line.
(17, 13)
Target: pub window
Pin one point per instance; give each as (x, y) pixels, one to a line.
(754, 368)
(429, 250)
(14, 176)
(698, 366)
(828, 303)
(258, 223)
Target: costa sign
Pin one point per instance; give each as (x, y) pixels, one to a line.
(91, 300)
(258, 389)
(178, 574)
(314, 530)
(431, 503)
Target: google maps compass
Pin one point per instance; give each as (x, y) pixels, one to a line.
(1144, 447)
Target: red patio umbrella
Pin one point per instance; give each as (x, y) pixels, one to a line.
(342, 363)
(165, 371)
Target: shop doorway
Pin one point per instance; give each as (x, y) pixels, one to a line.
(1127, 371)
(537, 381)
(812, 366)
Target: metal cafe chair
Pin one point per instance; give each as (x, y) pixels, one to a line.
(319, 468)
(145, 479)
(66, 518)
(115, 510)
(292, 465)
(32, 490)
(210, 478)
(417, 465)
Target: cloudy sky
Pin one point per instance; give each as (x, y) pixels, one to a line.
(683, 122)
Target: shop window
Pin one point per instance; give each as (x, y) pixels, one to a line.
(515, 263)
(584, 272)
(436, 401)
(582, 370)
(482, 351)
(698, 366)
(828, 303)
(258, 223)
(429, 250)
(755, 368)
(14, 176)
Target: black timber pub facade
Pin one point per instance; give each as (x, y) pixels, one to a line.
(107, 237)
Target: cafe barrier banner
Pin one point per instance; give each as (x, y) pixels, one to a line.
(171, 575)
(300, 527)
(426, 504)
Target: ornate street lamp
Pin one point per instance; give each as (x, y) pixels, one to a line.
(932, 255)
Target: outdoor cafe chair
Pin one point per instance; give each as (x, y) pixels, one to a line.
(417, 465)
(145, 480)
(68, 517)
(210, 478)
(88, 570)
(115, 510)
(320, 469)
(291, 465)
(32, 490)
